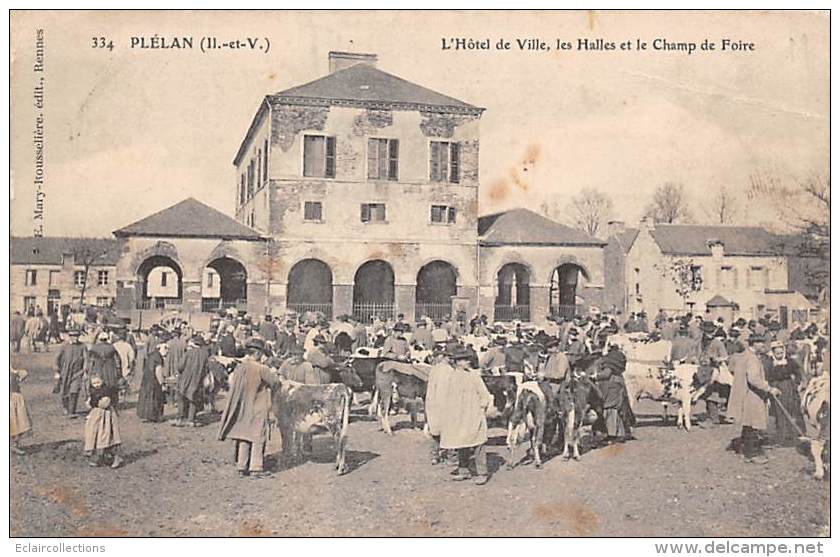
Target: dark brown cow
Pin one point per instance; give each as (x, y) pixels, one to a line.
(409, 387)
(306, 409)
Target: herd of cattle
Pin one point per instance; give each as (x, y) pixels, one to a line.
(302, 410)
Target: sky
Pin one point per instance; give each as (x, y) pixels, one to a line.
(131, 131)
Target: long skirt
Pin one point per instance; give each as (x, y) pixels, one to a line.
(151, 399)
(614, 423)
(102, 429)
(27, 344)
(19, 421)
(789, 398)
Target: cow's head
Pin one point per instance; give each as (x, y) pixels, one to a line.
(350, 378)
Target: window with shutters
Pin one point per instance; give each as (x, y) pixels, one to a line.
(373, 212)
(383, 159)
(31, 277)
(443, 214)
(251, 180)
(242, 190)
(312, 211)
(696, 277)
(265, 161)
(259, 168)
(319, 156)
(444, 161)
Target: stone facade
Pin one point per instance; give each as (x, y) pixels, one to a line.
(55, 285)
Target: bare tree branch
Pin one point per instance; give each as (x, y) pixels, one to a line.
(669, 204)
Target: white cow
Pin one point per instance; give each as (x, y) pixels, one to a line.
(816, 409)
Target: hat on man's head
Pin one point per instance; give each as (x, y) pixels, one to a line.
(708, 327)
(753, 338)
(460, 353)
(255, 344)
(553, 343)
(198, 340)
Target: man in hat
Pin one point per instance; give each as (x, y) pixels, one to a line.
(396, 347)
(296, 368)
(461, 417)
(669, 329)
(70, 365)
(439, 333)
(747, 401)
(177, 349)
(695, 328)
(712, 355)
(515, 355)
(618, 417)
(437, 389)
(125, 350)
(104, 361)
(576, 349)
(684, 349)
(422, 336)
(784, 374)
(190, 387)
(494, 359)
(268, 331)
(556, 368)
(245, 419)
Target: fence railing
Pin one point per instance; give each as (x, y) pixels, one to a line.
(365, 311)
(564, 311)
(512, 313)
(158, 303)
(433, 310)
(210, 305)
(303, 307)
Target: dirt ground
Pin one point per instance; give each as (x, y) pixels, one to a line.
(181, 482)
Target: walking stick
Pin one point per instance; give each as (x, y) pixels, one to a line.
(787, 415)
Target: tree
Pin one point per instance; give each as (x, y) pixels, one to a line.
(669, 204)
(684, 275)
(589, 210)
(87, 254)
(724, 207)
(801, 208)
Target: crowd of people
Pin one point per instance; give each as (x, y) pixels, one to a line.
(102, 362)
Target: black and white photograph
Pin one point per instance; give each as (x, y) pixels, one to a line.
(420, 274)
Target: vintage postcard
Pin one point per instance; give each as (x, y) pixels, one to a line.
(420, 274)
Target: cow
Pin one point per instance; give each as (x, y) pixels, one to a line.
(406, 381)
(530, 412)
(816, 409)
(503, 390)
(307, 409)
(575, 400)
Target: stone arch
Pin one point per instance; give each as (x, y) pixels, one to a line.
(436, 284)
(162, 293)
(564, 287)
(310, 286)
(373, 289)
(568, 260)
(160, 248)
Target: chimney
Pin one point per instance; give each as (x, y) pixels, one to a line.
(341, 60)
(615, 227)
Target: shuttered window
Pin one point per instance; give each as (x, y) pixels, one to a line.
(443, 214)
(445, 161)
(319, 156)
(383, 159)
(312, 210)
(265, 161)
(373, 212)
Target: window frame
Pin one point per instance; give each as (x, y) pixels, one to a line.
(77, 274)
(99, 274)
(369, 220)
(452, 176)
(448, 213)
(320, 205)
(329, 160)
(392, 159)
(31, 277)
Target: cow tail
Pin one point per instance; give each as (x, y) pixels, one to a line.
(345, 418)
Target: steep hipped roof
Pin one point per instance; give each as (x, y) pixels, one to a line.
(522, 226)
(363, 83)
(689, 239)
(49, 250)
(189, 219)
(719, 301)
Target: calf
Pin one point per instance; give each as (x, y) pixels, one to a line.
(574, 401)
(657, 382)
(391, 384)
(306, 409)
(816, 408)
(503, 390)
(530, 413)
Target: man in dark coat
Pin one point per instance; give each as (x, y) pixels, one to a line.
(268, 331)
(226, 343)
(70, 365)
(16, 324)
(618, 417)
(190, 387)
(245, 419)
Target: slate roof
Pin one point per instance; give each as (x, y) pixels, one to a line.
(626, 238)
(48, 250)
(364, 83)
(689, 239)
(190, 219)
(523, 226)
(718, 301)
